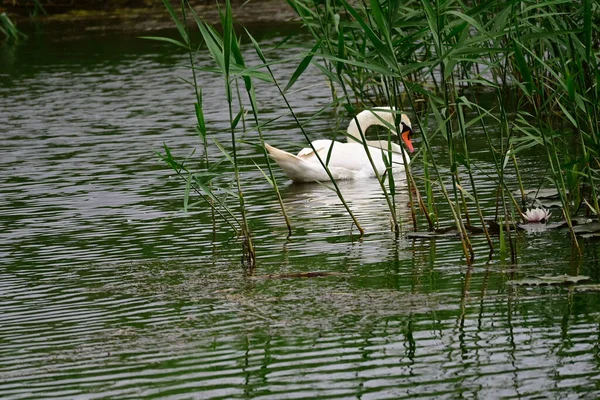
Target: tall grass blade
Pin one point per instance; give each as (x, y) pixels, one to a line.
(302, 67)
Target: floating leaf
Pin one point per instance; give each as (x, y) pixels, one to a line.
(533, 228)
(536, 228)
(494, 226)
(549, 280)
(450, 231)
(588, 288)
(433, 235)
(595, 235)
(590, 228)
(542, 198)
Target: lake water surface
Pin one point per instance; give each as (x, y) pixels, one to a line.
(109, 290)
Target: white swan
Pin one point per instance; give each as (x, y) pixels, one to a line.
(347, 160)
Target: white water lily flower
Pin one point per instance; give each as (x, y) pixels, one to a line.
(540, 215)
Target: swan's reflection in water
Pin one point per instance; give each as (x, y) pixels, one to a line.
(321, 206)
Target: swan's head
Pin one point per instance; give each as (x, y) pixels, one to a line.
(406, 129)
(405, 125)
(375, 116)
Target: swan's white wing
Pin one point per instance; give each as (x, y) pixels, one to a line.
(345, 161)
(319, 145)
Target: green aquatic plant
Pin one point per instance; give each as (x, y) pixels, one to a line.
(9, 30)
(535, 63)
(323, 163)
(436, 58)
(225, 51)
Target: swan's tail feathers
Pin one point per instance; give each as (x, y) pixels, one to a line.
(289, 163)
(281, 155)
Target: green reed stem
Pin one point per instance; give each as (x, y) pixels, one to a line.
(254, 106)
(461, 119)
(323, 164)
(9, 30)
(363, 140)
(200, 126)
(228, 38)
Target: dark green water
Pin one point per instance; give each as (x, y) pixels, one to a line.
(108, 290)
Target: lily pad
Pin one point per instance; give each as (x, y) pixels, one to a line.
(591, 228)
(432, 235)
(588, 288)
(541, 198)
(533, 194)
(549, 280)
(450, 231)
(587, 228)
(595, 235)
(536, 228)
(494, 226)
(533, 228)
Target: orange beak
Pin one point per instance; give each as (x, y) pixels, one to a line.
(406, 138)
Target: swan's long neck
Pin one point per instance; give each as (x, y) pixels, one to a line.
(365, 120)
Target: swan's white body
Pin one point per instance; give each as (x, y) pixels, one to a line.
(346, 160)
